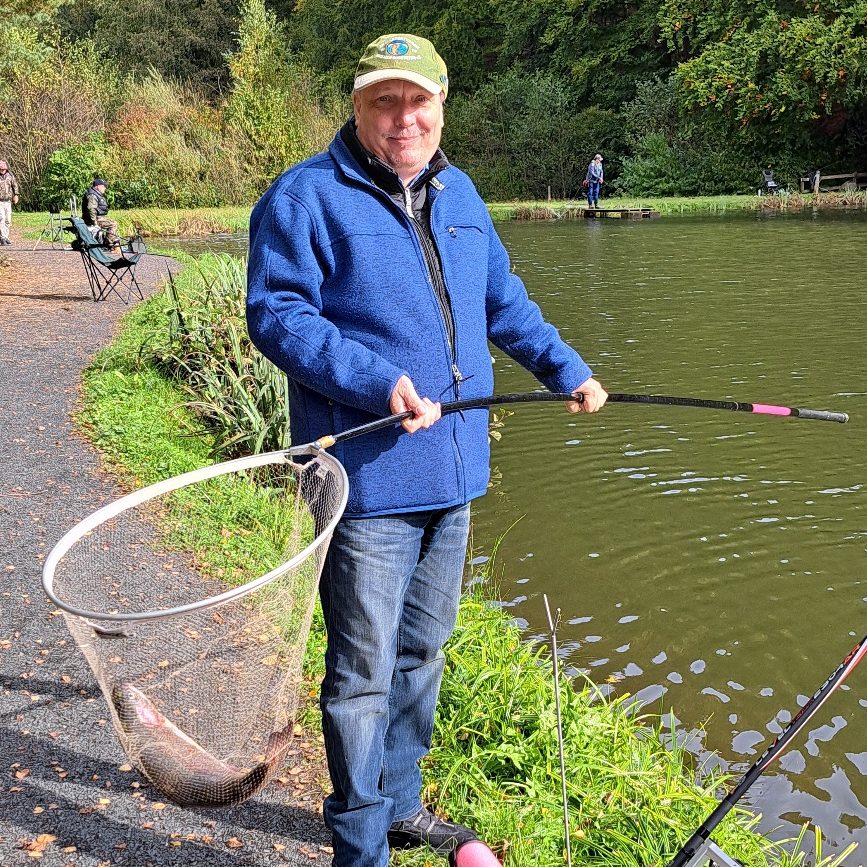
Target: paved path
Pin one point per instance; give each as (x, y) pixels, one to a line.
(62, 791)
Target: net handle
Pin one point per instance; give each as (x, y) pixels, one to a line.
(136, 498)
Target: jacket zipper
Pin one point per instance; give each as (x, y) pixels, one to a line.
(440, 290)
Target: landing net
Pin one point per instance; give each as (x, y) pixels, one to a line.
(202, 673)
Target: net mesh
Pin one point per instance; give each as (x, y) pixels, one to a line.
(204, 701)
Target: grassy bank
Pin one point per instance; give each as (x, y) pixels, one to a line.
(206, 221)
(494, 764)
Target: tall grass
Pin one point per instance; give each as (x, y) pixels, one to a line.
(205, 348)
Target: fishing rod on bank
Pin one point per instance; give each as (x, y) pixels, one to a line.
(560, 397)
(697, 844)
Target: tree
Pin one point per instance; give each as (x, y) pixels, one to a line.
(273, 102)
(784, 79)
(185, 40)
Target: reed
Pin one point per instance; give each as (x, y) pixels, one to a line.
(229, 384)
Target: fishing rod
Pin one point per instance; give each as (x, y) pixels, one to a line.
(699, 838)
(329, 440)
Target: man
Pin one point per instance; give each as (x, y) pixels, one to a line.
(594, 179)
(94, 212)
(8, 198)
(375, 281)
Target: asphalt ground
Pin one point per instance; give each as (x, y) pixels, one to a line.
(67, 795)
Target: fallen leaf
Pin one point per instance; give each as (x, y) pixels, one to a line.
(234, 843)
(36, 848)
(20, 775)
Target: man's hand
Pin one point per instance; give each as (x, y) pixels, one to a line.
(404, 397)
(593, 397)
(14, 200)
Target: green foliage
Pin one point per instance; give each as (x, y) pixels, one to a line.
(62, 101)
(536, 88)
(673, 155)
(71, 169)
(230, 385)
(331, 36)
(28, 38)
(495, 763)
(22, 52)
(495, 135)
(167, 148)
(783, 77)
(272, 106)
(184, 40)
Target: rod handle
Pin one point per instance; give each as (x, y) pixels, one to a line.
(821, 415)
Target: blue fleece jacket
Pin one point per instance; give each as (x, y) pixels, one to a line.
(339, 297)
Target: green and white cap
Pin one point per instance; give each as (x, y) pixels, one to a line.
(401, 55)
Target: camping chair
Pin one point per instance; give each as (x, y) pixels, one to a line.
(769, 185)
(107, 272)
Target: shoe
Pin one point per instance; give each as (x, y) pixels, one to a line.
(426, 829)
(5, 242)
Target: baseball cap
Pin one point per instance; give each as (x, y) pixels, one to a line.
(402, 55)
(98, 181)
(598, 157)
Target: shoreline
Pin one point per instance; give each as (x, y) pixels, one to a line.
(202, 222)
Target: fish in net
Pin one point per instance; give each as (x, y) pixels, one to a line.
(192, 601)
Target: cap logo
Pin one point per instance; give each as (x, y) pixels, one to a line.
(396, 48)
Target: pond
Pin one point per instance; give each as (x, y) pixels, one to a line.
(711, 564)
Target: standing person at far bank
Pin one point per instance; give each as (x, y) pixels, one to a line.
(375, 281)
(8, 198)
(595, 179)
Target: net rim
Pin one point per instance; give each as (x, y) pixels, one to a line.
(136, 498)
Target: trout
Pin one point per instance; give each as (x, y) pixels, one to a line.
(184, 771)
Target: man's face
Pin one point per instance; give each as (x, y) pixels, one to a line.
(100, 188)
(3, 167)
(399, 122)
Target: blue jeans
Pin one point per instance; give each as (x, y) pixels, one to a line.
(593, 193)
(390, 590)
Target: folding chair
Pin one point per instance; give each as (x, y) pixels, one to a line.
(769, 185)
(107, 272)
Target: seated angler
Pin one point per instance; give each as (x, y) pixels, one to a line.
(94, 212)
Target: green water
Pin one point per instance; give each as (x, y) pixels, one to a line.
(711, 564)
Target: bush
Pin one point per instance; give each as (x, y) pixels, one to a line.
(60, 103)
(167, 148)
(671, 155)
(71, 169)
